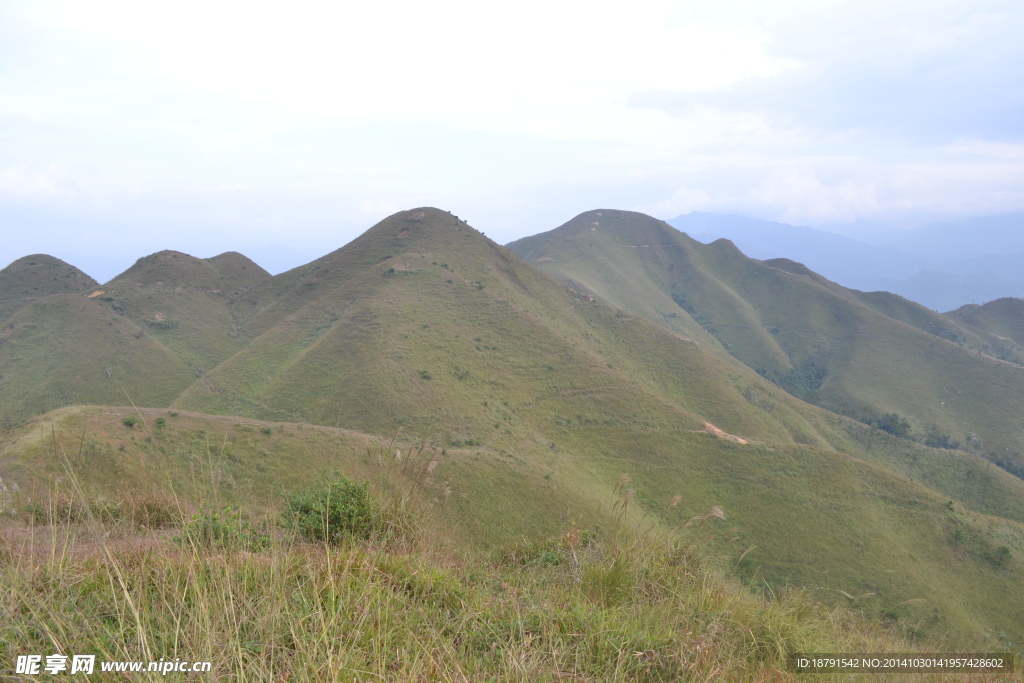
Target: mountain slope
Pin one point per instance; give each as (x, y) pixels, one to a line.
(816, 339)
(828, 523)
(68, 349)
(33, 277)
(426, 295)
(183, 302)
(538, 397)
(949, 326)
(1002, 319)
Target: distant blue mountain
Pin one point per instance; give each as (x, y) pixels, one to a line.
(942, 266)
(973, 238)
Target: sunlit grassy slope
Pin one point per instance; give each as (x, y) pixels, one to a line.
(948, 326)
(820, 520)
(132, 580)
(855, 353)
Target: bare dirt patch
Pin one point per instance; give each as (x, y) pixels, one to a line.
(715, 431)
(95, 294)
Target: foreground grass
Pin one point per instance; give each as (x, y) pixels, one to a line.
(640, 608)
(835, 527)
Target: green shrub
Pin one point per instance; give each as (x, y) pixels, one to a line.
(1001, 556)
(223, 529)
(937, 439)
(892, 423)
(331, 512)
(161, 422)
(130, 421)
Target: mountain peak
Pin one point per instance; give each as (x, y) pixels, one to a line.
(170, 268)
(36, 276)
(241, 270)
(420, 230)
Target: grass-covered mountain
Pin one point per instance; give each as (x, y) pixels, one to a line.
(1002, 319)
(143, 337)
(537, 397)
(184, 302)
(865, 355)
(67, 349)
(37, 276)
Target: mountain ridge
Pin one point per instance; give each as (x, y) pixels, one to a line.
(838, 347)
(547, 393)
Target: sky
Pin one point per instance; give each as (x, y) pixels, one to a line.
(284, 130)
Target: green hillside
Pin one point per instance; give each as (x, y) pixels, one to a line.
(535, 398)
(947, 326)
(68, 348)
(864, 355)
(827, 522)
(184, 302)
(425, 325)
(112, 560)
(1002, 319)
(147, 334)
(442, 331)
(37, 276)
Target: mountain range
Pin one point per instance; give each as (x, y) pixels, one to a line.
(863, 443)
(941, 266)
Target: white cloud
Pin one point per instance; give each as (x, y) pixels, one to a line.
(310, 120)
(989, 149)
(549, 68)
(824, 191)
(25, 181)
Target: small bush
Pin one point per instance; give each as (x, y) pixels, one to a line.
(161, 422)
(935, 439)
(1001, 556)
(223, 529)
(130, 421)
(424, 374)
(331, 512)
(266, 431)
(893, 424)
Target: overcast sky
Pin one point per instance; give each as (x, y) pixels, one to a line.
(284, 129)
